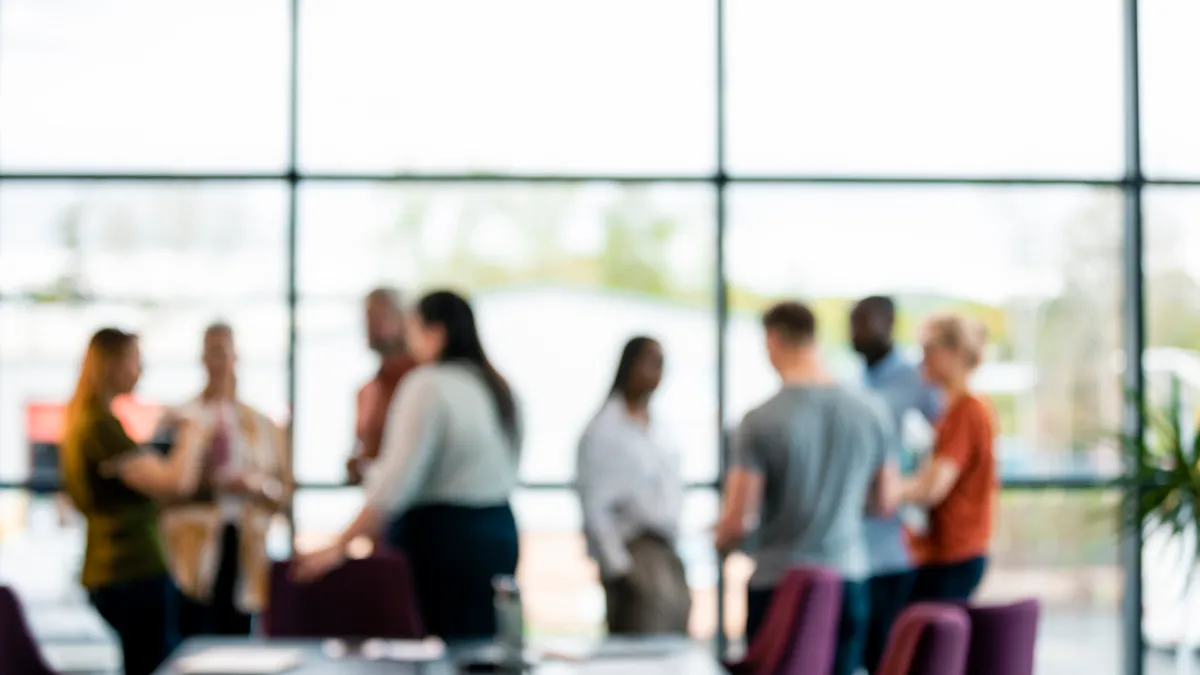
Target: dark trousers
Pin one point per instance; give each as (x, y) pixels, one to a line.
(954, 582)
(220, 615)
(890, 594)
(653, 598)
(144, 616)
(852, 628)
(455, 553)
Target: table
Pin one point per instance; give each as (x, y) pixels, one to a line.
(624, 656)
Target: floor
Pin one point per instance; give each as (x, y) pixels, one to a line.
(76, 641)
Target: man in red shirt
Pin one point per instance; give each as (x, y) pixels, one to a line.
(385, 335)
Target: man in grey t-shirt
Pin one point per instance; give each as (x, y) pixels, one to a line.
(808, 463)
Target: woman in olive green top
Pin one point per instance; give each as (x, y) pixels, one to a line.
(114, 483)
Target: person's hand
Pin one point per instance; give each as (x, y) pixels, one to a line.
(725, 540)
(354, 469)
(191, 433)
(312, 566)
(242, 484)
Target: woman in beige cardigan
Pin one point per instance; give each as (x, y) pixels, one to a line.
(216, 543)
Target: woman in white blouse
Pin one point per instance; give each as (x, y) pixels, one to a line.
(447, 466)
(631, 490)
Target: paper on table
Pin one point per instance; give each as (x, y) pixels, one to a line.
(239, 661)
(408, 651)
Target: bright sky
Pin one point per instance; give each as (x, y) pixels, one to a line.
(623, 86)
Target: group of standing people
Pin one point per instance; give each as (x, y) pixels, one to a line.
(176, 529)
(818, 475)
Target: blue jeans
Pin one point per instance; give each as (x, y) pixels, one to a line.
(953, 582)
(852, 629)
(455, 553)
(144, 615)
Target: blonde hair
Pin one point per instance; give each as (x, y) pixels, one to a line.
(105, 348)
(961, 334)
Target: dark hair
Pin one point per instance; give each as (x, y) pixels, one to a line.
(878, 305)
(453, 313)
(793, 321)
(629, 356)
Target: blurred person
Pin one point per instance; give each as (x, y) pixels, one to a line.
(805, 465)
(447, 468)
(114, 483)
(631, 490)
(958, 483)
(216, 543)
(900, 386)
(385, 336)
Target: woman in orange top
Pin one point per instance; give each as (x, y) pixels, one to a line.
(959, 482)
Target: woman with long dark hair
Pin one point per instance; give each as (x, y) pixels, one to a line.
(446, 469)
(115, 484)
(630, 486)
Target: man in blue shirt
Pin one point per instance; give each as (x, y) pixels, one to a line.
(900, 385)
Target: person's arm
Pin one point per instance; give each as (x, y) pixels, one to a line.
(601, 486)
(174, 476)
(886, 485)
(272, 489)
(356, 463)
(952, 450)
(414, 427)
(743, 491)
(743, 498)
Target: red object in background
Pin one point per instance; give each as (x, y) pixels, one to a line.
(44, 420)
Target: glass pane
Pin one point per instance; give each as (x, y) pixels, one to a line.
(138, 84)
(1170, 110)
(524, 85)
(1041, 267)
(1069, 562)
(41, 345)
(1172, 363)
(41, 554)
(925, 87)
(560, 586)
(561, 277)
(153, 242)
(1172, 269)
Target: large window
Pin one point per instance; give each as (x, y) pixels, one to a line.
(1040, 266)
(591, 171)
(925, 87)
(561, 276)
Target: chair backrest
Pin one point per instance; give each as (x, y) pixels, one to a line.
(814, 636)
(799, 633)
(19, 652)
(1003, 638)
(369, 598)
(928, 639)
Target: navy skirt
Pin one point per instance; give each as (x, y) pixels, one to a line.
(455, 553)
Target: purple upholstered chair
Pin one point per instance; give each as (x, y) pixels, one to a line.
(1003, 638)
(369, 598)
(799, 633)
(18, 651)
(928, 639)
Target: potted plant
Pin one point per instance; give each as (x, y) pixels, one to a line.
(1161, 496)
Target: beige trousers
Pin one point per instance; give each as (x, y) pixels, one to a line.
(654, 598)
